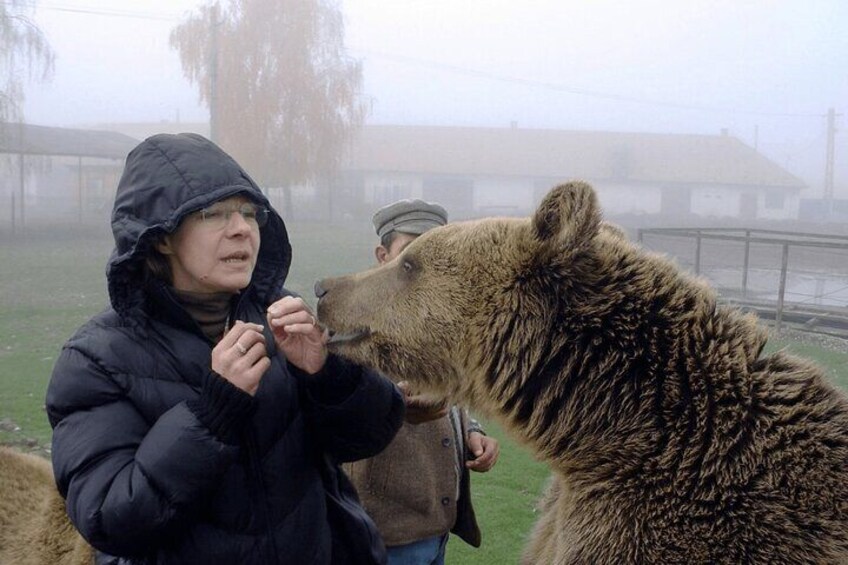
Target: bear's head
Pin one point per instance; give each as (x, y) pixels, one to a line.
(464, 299)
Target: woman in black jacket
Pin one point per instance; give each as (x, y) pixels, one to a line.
(200, 419)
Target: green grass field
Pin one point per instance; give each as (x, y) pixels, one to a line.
(52, 281)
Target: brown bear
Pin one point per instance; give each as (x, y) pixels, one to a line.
(34, 528)
(671, 437)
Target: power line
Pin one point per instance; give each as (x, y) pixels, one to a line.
(573, 90)
(100, 11)
(558, 87)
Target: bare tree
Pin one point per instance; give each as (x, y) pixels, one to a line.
(24, 52)
(284, 97)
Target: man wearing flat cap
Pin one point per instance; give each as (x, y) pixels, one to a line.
(412, 217)
(418, 489)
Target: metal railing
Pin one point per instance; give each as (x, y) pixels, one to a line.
(784, 240)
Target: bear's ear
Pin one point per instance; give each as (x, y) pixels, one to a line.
(613, 230)
(568, 217)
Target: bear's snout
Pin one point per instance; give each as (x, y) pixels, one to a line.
(341, 331)
(322, 288)
(319, 290)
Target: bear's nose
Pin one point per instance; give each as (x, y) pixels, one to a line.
(319, 290)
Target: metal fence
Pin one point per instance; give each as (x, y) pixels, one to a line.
(805, 274)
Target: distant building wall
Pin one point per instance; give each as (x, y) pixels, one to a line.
(59, 188)
(380, 189)
(454, 192)
(503, 196)
(715, 202)
(777, 204)
(749, 203)
(493, 195)
(619, 198)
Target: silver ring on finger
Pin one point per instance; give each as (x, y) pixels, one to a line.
(241, 349)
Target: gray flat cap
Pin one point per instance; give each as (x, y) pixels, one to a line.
(409, 216)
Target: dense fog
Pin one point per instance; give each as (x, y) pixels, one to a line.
(712, 113)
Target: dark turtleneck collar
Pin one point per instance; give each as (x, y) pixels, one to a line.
(209, 310)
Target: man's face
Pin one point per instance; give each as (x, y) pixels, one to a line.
(399, 243)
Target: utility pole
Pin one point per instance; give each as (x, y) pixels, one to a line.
(22, 176)
(828, 168)
(213, 73)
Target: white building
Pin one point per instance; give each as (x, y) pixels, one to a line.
(49, 173)
(486, 171)
(506, 171)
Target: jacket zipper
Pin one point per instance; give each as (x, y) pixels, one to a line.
(255, 466)
(259, 491)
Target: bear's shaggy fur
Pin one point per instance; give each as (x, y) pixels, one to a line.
(671, 436)
(34, 528)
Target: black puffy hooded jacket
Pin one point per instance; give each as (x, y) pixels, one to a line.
(148, 472)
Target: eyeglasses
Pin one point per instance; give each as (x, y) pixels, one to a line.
(217, 217)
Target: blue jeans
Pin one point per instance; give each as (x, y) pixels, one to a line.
(430, 551)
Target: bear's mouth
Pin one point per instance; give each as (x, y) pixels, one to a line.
(338, 338)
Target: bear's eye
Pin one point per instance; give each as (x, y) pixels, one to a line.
(407, 266)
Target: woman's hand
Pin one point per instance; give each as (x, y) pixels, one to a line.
(240, 356)
(297, 334)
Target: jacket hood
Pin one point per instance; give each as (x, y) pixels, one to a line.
(167, 177)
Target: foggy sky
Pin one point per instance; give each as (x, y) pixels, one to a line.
(766, 70)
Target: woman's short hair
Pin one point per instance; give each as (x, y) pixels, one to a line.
(157, 265)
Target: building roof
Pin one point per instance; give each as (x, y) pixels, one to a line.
(590, 155)
(29, 139)
(143, 130)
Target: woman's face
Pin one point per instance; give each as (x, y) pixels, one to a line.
(215, 249)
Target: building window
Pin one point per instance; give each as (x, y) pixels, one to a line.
(774, 199)
(456, 194)
(386, 194)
